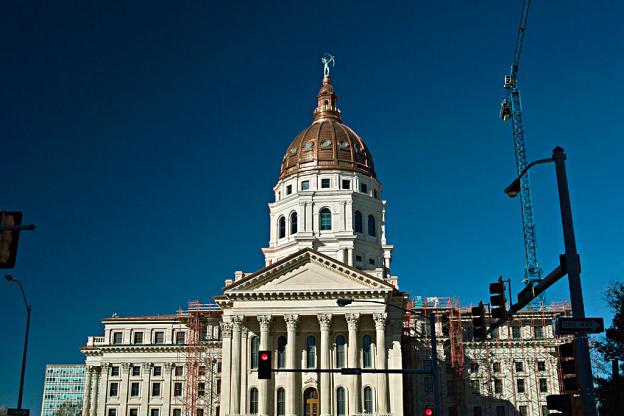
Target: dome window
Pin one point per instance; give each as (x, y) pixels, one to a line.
(308, 146)
(325, 219)
(293, 150)
(344, 145)
(325, 143)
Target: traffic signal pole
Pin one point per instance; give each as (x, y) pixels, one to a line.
(573, 269)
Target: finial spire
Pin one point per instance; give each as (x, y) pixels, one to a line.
(327, 59)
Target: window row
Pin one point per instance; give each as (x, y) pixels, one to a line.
(358, 226)
(311, 401)
(326, 183)
(518, 366)
(340, 343)
(133, 411)
(156, 387)
(158, 337)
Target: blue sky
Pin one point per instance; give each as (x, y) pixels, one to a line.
(144, 139)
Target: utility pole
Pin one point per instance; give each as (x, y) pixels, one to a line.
(573, 269)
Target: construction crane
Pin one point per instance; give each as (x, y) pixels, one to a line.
(511, 108)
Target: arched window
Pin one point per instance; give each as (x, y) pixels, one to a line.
(366, 352)
(281, 227)
(255, 347)
(340, 351)
(281, 402)
(326, 103)
(341, 402)
(325, 219)
(253, 401)
(281, 352)
(371, 226)
(368, 400)
(357, 223)
(311, 352)
(293, 223)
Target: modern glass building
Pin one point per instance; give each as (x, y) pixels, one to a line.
(63, 390)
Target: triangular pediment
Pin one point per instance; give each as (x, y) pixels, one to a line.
(307, 272)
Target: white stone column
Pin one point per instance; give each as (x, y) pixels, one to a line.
(167, 394)
(263, 392)
(95, 391)
(123, 388)
(102, 392)
(291, 362)
(226, 365)
(353, 320)
(350, 257)
(236, 367)
(325, 324)
(86, 400)
(382, 378)
(244, 368)
(145, 387)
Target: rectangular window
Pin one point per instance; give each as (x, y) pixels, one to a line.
(325, 183)
(177, 389)
(115, 371)
(539, 332)
(305, 185)
(200, 412)
(543, 385)
(500, 411)
(452, 411)
(218, 386)
(288, 189)
(519, 366)
(371, 262)
(136, 370)
(428, 384)
(159, 338)
(117, 339)
(496, 367)
(138, 338)
(113, 390)
(201, 389)
(177, 412)
(155, 389)
(374, 193)
(476, 411)
(134, 412)
(358, 257)
(179, 371)
(346, 184)
(541, 366)
(498, 386)
(202, 370)
(475, 387)
(363, 188)
(134, 389)
(154, 412)
(157, 371)
(427, 365)
(515, 332)
(520, 385)
(112, 412)
(524, 411)
(180, 337)
(451, 387)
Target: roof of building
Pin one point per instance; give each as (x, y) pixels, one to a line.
(327, 144)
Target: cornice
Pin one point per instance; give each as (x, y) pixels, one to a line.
(132, 348)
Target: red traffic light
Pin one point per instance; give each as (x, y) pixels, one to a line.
(264, 356)
(428, 411)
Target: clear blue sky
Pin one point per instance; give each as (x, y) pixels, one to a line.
(144, 139)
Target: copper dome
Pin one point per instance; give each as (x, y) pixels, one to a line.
(327, 143)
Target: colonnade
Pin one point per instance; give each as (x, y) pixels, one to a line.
(234, 397)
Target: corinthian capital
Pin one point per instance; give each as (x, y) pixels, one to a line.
(237, 321)
(265, 322)
(380, 320)
(353, 320)
(324, 321)
(292, 321)
(226, 329)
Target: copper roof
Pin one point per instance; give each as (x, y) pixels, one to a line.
(327, 143)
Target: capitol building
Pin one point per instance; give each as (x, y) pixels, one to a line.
(327, 241)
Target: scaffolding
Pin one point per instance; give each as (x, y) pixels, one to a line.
(199, 358)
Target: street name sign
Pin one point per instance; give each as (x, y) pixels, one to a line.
(567, 325)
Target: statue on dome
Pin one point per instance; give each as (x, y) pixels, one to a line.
(327, 59)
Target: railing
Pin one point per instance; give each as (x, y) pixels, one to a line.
(92, 341)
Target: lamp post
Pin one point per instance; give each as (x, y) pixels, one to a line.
(573, 270)
(434, 350)
(12, 278)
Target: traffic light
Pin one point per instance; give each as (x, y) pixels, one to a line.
(428, 411)
(568, 366)
(497, 300)
(560, 402)
(264, 365)
(478, 321)
(9, 239)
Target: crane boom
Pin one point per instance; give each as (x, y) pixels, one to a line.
(511, 108)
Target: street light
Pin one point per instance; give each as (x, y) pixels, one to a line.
(342, 302)
(573, 270)
(12, 278)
